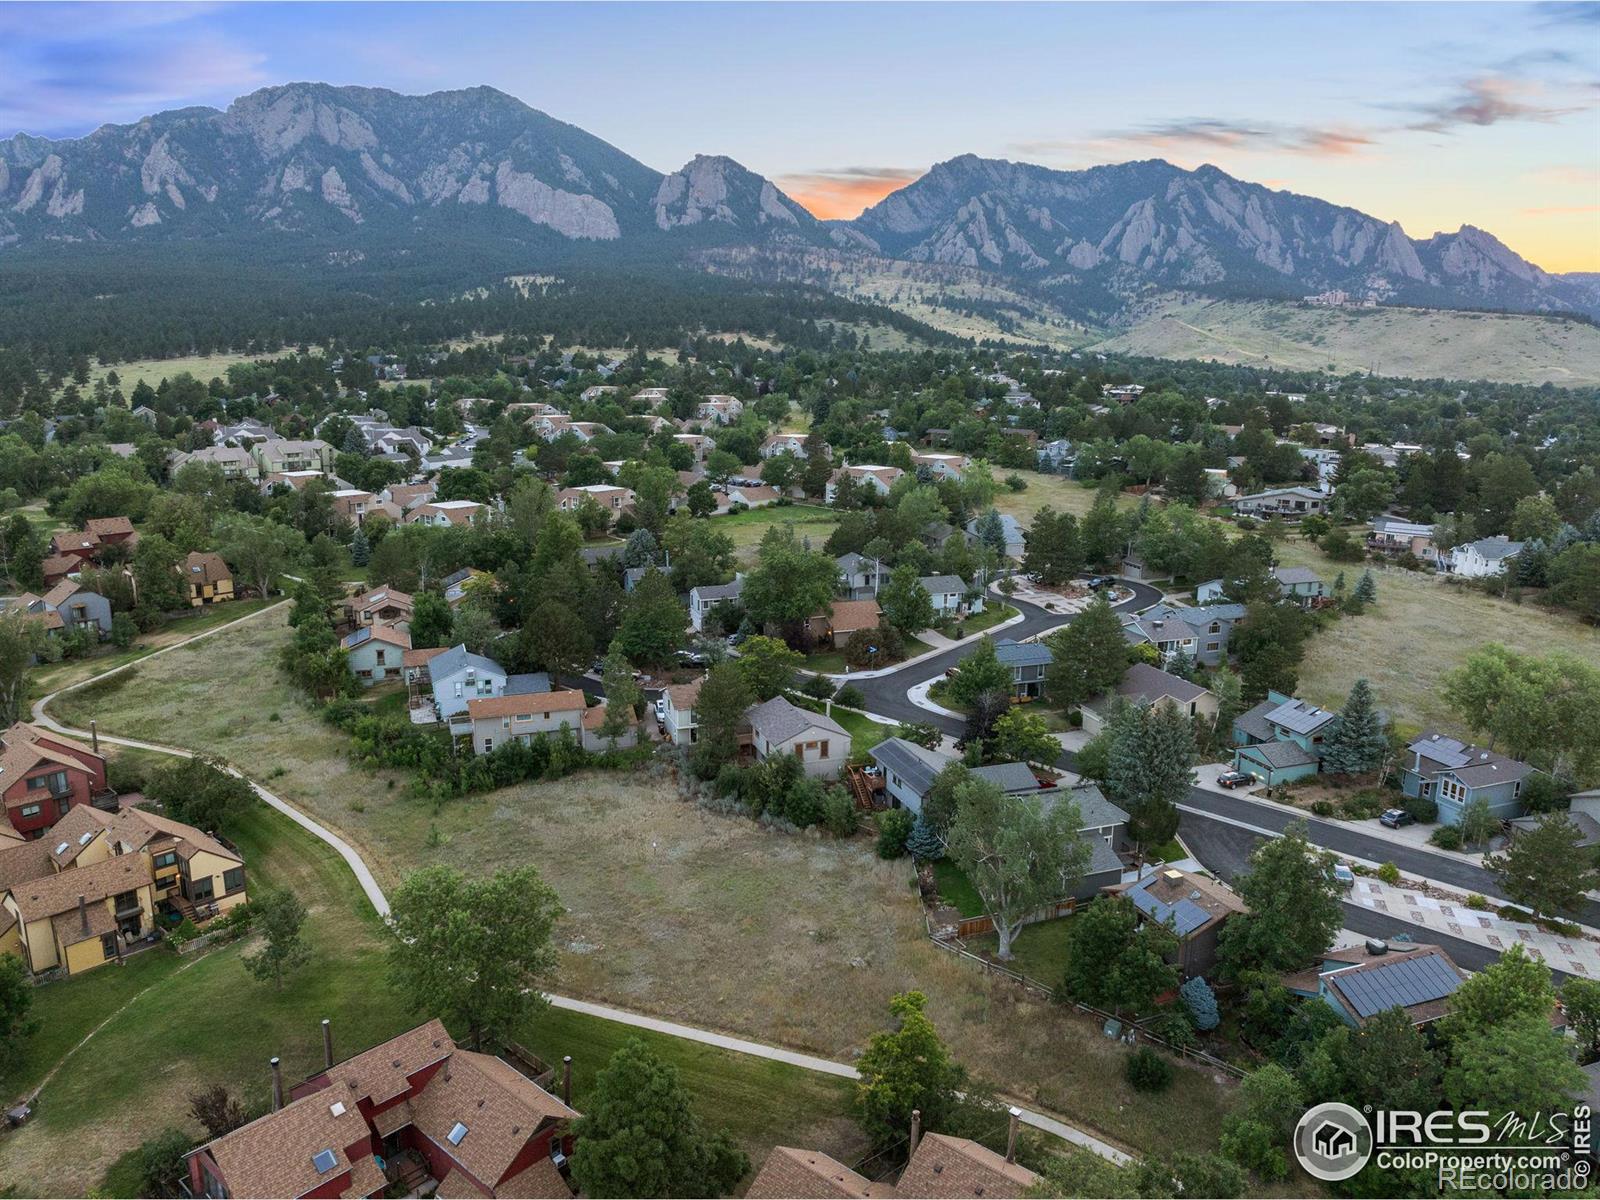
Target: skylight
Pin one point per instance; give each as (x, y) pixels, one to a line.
(84, 840)
(337, 1108)
(457, 1132)
(61, 849)
(324, 1161)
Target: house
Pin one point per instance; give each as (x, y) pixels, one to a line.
(77, 544)
(1016, 538)
(235, 462)
(457, 676)
(443, 513)
(1290, 503)
(1122, 393)
(245, 433)
(355, 505)
(1219, 485)
(1280, 739)
(708, 597)
(1028, 662)
(1201, 633)
(1482, 558)
(1363, 981)
(78, 607)
(941, 466)
(292, 454)
(592, 738)
(863, 475)
(32, 608)
(1580, 816)
(788, 1173)
(1210, 592)
(908, 770)
(406, 496)
(677, 712)
(757, 496)
(719, 410)
(56, 567)
(781, 727)
(1453, 774)
(524, 714)
(949, 594)
(612, 499)
(456, 584)
(1146, 687)
(842, 619)
(1300, 584)
(206, 578)
(860, 577)
(1195, 907)
(784, 443)
(699, 444)
(376, 652)
(1058, 457)
(379, 606)
(937, 1166)
(111, 531)
(43, 776)
(448, 1121)
(1391, 535)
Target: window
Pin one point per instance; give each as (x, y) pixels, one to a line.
(1213, 645)
(30, 810)
(233, 880)
(108, 945)
(822, 748)
(167, 858)
(56, 781)
(488, 744)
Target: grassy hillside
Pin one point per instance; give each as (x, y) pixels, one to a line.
(1415, 342)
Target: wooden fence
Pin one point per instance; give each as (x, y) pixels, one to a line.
(971, 927)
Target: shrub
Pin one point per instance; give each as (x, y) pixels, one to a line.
(1478, 903)
(869, 649)
(839, 813)
(894, 830)
(1201, 1002)
(186, 931)
(850, 696)
(161, 1162)
(1147, 1071)
(1016, 483)
(1361, 806)
(1245, 523)
(1322, 808)
(924, 844)
(817, 688)
(125, 775)
(1422, 810)
(1389, 873)
(1173, 1026)
(1446, 837)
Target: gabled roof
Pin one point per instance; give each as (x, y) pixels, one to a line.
(57, 893)
(1294, 575)
(1280, 755)
(1188, 901)
(565, 700)
(1253, 721)
(952, 1167)
(459, 658)
(1023, 654)
(108, 526)
(500, 1107)
(778, 720)
(387, 634)
(854, 614)
(527, 683)
(915, 764)
(936, 584)
(788, 1173)
(1493, 548)
(1013, 778)
(1300, 717)
(1419, 980)
(719, 591)
(1146, 684)
(205, 567)
(1094, 810)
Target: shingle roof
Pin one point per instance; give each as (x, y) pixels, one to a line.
(527, 683)
(500, 1108)
(915, 764)
(1253, 721)
(1588, 828)
(1149, 684)
(205, 567)
(1280, 755)
(58, 892)
(943, 583)
(788, 1174)
(850, 615)
(1294, 575)
(1094, 810)
(1494, 548)
(951, 1168)
(564, 700)
(720, 591)
(1012, 778)
(778, 720)
(459, 658)
(377, 633)
(1023, 654)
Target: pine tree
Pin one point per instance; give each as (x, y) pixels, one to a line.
(1201, 1002)
(924, 844)
(1182, 664)
(1090, 657)
(1367, 590)
(360, 548)
(1356, 741)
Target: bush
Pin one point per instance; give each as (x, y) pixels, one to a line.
(869, 649)
(1016, 483)
(1173, 1026)
(1423, 811)
(1389, 873)
(1478, 903)
(1446, 837)
(186, 931)
(817, 688)
(839, 813)
(894, 830)
(1201, 1002)
(161, 1162)
(125, 775)
(1362, 806)
(1147, 1071)
(1322, 808)
(850, 696)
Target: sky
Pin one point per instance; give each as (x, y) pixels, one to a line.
(1435, 115)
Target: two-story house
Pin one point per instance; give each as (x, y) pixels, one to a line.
(860, 577)
(1453, 774)
(677, 712)
(704, 600)
(941, 466)
(525, 711)
(382, 605)
(719, 410)
(1301, 585)
(206, 578)
(1392, 536)
(1148, 687)
(864, 476)
(613, 500)
(458, 676)
(1202, 633)
(292, 454)
(1280, 739)
(779, 727)
(44, 775)
(784, 443)
(1289, 504)
(444, 513)
(235, 462)
(1483, 558)
(415, 1110)
(1028, 662)
(951, 595)
(376, 652)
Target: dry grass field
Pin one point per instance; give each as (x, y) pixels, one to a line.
(713, 920)
(203, 367)
(1415, 342)
(1421, 629)
(1059, 492)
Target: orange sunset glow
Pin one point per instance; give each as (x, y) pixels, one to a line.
(840, 197)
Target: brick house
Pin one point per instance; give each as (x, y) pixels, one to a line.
(43, 776)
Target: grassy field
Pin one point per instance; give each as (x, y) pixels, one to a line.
(712, 920)
(749, 527)
(1039, 951)
(1059, 492)
(203, 367)
(1416, 342)
(831, 662)
(992, 615)
(1420, 630)
(48, 677)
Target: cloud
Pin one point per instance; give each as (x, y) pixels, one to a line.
(1203, 134)
(1489, 100)
(831, 193)
(1570, 12)
(1564, 174)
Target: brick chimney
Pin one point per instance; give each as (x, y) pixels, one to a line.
(916, 1132)
(1011, 1134)
(83, 913)
(327, 1045)
(277, 1084)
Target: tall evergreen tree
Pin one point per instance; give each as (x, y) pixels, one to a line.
(1090, 656)
(1366, 589)
(1356, 742)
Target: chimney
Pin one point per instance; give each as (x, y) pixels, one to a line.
(94, 736)
(83, 912)
(277, 1084)
(566, 1080)
(327, 1045)
(916, 1132)
(1011, 1134)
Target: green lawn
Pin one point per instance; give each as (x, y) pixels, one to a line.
(49, 677)
(991, 616)
(1039, 951)
(748, 528)
(831, 662)
(865, 733)
(957, 890)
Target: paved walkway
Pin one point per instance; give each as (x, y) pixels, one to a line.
(380, 902)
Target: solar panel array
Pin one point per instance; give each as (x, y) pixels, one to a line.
(1398, 984)
(1301, 718)
(359, 636)
(1446, 751)
(1185, 916)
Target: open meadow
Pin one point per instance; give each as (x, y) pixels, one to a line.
(673, 910)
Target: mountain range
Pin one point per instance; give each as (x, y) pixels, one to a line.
(348, 166)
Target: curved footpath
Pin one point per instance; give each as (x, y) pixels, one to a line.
(380, 902)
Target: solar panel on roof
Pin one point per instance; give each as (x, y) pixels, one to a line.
(1398, 984)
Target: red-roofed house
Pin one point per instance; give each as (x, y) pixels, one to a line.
(42, 776)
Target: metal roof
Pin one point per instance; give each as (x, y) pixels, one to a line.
(1375, 989)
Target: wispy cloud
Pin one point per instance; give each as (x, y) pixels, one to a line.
(1203, 134)
(831, 193)
(1489, 100)
(1570, 12)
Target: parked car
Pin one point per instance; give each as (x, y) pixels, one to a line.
(1235, 779)
(1095, 582)
(1396, 817)
(1344, 876)
(661, 709)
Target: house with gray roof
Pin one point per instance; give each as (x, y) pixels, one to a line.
(1104, 826)
(908, 770)
(860, 577)
(1016, 538)
(458, 676)
(781, 727)
(1453, 774)
(949, 594)
(1146, 686)
(1280, 739)
(1201, 633)
(1288, 504)
(703, 599)
(1300, 584)
(1482, 558)
(1028, 662)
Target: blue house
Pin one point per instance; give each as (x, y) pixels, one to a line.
(1027, 661)
(457, 675)
(1360, 982)
(1280, 739)
(1453, 774)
